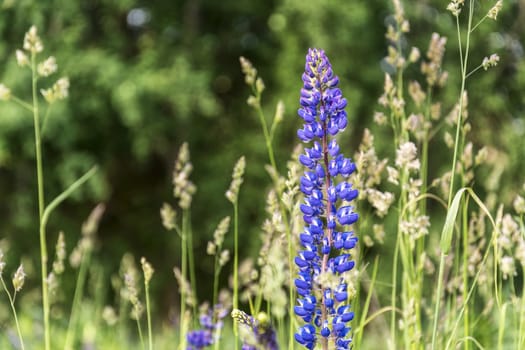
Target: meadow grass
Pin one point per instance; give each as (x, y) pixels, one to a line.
(438, 266)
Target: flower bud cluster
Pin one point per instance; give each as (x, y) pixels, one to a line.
(325, 242)
(183, 188)
(237, 178)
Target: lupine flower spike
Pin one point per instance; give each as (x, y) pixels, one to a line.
(324, 259)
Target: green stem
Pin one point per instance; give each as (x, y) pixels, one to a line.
(216, 273)
(148, 314)
(44, 120)
(464, 65)
(424, 152)
(394, 293)
(183, 267)
(466, 326)
(77, 299)
(473, 71)
(140, 330)
(191, 262)
(12, 304)
(236, 266)
(22, 103)
(521, 327)
(438, 298)
(64, 195)
(41, 201)
(460, 107)
(501, 328)
(364, 311)
(268, 139)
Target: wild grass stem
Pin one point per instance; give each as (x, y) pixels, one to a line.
(41, 201)
(268, 136)
(148, 314)
(77, 300)
(184, 269)
(191, 266)
(13, 309)
(236, 265)
(464, 65)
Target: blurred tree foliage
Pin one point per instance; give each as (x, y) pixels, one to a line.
(147, 76)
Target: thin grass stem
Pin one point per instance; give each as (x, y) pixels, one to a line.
(22, 103)
(236, 267)
(77, 301)
(148, 314)
(41, 203)
(13, 309)
(183, 267)
(191, 263)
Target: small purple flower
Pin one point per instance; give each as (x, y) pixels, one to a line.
(211, 323)
(325, 242)
(199, 339)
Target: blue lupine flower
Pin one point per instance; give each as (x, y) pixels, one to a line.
(325, 241)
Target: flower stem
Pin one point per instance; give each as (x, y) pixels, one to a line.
(41, 201)
(328, 231)
(464, 65)
(148, 314)
(12, 304)
(140, 332)
(236, 266)
(77, 299)
(268, 139)
(191, 263)
(183, 267)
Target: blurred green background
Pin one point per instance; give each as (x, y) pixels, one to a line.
(147, 76)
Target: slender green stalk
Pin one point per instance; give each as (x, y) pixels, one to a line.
(464, 62)
(22, 103)
(41, 201)
(291, 297)
(393, 296)
(501, 326)
(424, 153)
(183, 267)
(466, 318)
(77, 300)
(266, 133)
(12, 304)
(236, 266)
(364, 311)
(268, 140)
(216, 274)
(464, 66)
(148, 314)
(521, 327)
(438, 298)
(191, 266)
(215, 296)
(140, 333)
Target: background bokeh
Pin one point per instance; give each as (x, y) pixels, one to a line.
(147, 76)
